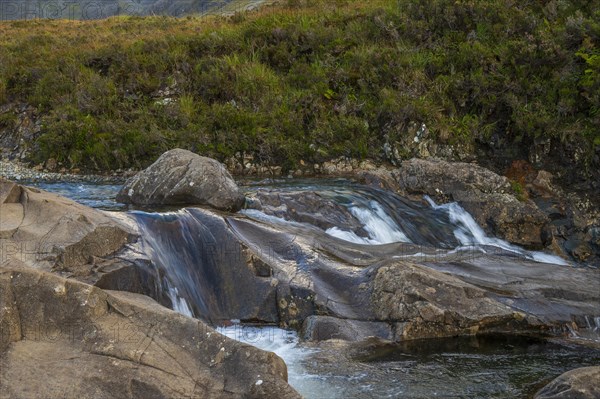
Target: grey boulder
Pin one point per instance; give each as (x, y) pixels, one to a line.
(180, 177)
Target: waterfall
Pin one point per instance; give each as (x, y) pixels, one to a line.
(202, 267)
(379, 225)
(470, 234)
(179, 304)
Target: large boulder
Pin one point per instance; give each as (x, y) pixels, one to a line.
(582, 383)
(61, 338)
(180, 177)
(52, 233)
(436, 177)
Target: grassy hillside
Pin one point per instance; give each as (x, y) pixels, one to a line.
(312, 80)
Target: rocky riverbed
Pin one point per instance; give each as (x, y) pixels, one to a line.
(338, 262)
(21, 173)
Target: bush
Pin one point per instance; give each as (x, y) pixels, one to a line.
(310, 80)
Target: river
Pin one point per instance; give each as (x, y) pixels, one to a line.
(471, 367)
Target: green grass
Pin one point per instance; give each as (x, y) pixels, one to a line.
(308, 80)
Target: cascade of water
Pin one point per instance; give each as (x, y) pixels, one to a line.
(173, 243)
(179, 304)
(382, 229)
(202, 267)
(470, 234)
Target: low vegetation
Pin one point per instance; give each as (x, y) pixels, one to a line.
(309, 80)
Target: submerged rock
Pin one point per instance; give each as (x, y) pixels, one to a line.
(180, 177)
(582, 383)
(323, 328)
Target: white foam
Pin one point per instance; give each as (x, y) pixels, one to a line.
(380, 227)
(349, 236)
(470, 234)
(179, 304)
(286, 345)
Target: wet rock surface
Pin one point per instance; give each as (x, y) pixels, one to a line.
(307, 207)
(424, 296)
(219, 278)
(180, 177)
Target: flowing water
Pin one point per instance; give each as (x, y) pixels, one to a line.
(187, 246)
(94, 195)
(388, 218)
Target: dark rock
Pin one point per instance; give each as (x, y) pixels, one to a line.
(308, 207)
(119, 275)
(322, 328)
(257, 265)
(579, 248)
(582, 383)
(180, 177)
